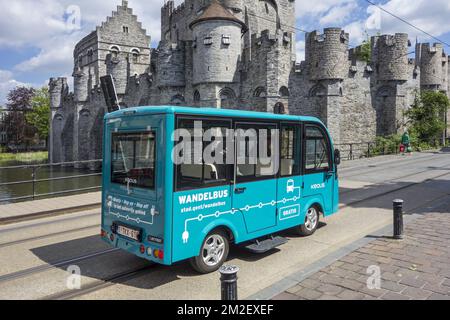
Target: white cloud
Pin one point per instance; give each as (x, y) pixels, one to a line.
(7, 83)
(338, 14)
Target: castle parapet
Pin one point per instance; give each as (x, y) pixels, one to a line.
(327, 54)
(390, 57)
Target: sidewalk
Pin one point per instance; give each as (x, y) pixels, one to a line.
(417, 267)
(38, 208)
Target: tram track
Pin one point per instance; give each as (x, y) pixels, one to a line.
(103, 283)
(380, 166)
(45, 267)
(397, 179)
(50, 235)
(123, 276)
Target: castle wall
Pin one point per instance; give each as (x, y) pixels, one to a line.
(357, 100)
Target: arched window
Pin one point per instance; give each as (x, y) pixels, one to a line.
(90, 55)
(196, 96)
(260, 92)
(279, 108)
(135, 55)
(284, 92)
(318, 91)
(227, 98)
(114, 50)
(80, 61)
(177, 100)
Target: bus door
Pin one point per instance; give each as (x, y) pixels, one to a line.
(290, 179)
(133, 176)
(255, 184)
(319, 175)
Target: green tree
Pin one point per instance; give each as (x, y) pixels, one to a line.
(39, 115)
(364, 51)
(427, 116)
(19, 103)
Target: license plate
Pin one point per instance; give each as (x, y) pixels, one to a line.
(129, 233)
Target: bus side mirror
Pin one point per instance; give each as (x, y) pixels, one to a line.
(337, 157)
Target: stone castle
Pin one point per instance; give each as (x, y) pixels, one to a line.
(240, 54)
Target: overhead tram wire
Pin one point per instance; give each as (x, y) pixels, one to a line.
(408, 23)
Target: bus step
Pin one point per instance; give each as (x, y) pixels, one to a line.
(263, 246)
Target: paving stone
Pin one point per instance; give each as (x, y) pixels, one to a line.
(330, 289)
(351, 284)
(293, 290)
(328, 297)
(437, 289)
(311, 283)
(350, 295)
(394, 296)
(412, 282)
(416, 293)
(309, 294)
(286, 296)
(392, 286)
(437, 296)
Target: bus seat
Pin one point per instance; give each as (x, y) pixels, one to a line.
(287, 167)
(244, 170)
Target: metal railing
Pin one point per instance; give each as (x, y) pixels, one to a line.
(352, 151)
(34, 181)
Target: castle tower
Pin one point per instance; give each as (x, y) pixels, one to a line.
(58, 90)
(390, 57)
(328, 64)
(391, 66)
(327, 54)
(217, 48)
(431, 59)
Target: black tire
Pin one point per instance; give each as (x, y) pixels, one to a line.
(311, 223)
(217, 256)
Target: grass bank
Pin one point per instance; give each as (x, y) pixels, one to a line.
(26, 157)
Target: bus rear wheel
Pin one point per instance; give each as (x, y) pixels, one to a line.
(213, 254)
(311, 222)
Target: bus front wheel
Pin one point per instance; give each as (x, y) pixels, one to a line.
(311, 222)
(213, 254)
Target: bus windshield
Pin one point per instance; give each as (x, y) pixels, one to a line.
(133, 159)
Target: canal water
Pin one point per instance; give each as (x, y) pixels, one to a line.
(8, 175)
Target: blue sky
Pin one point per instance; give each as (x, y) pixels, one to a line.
(37, 36)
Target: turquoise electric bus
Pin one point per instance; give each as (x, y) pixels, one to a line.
(166, 210)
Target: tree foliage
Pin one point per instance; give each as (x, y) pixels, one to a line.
(427, 116)
(39, 116)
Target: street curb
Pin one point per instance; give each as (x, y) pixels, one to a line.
(299, 276)
(48, 213)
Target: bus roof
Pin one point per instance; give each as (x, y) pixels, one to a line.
(212, 112)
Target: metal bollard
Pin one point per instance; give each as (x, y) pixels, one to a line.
(228, 280)
(398, 219)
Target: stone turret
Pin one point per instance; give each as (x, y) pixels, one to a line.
(58, 90)
(217, 45)
(390, 57)
(432, 61)
(80, 85)
(327, 54)
(170, 64)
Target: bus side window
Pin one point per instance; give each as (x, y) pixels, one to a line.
(254, 160)
(290, 156)
(317, 150)
(212, 169)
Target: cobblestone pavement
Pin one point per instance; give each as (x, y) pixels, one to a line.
(415, 268)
